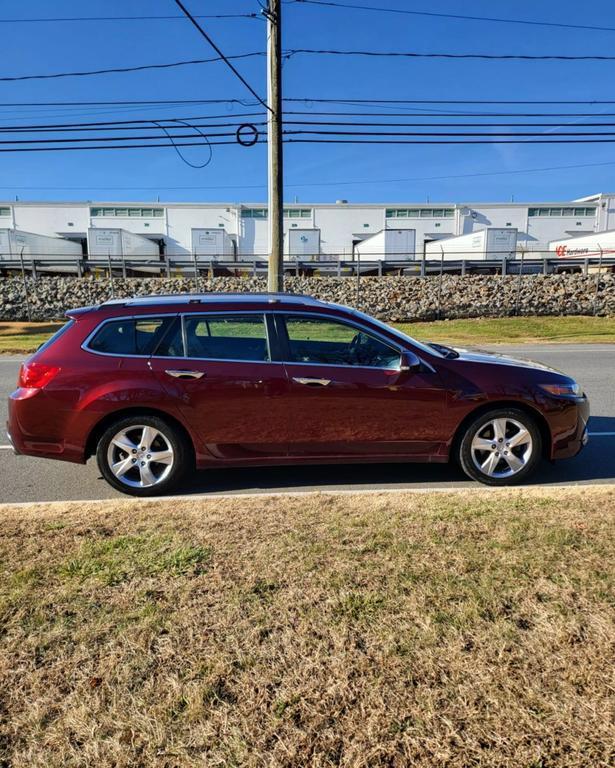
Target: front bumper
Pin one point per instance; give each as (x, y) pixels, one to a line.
(571, 433)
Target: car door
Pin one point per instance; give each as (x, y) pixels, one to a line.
(348, 397)
(219, 369)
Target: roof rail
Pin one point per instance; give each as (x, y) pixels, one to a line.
(204, 298)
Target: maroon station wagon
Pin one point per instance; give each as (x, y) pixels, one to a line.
(158, 386)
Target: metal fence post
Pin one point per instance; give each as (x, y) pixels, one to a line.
(519, 280)
(585, 267)
(110, 274)
(598, 282)
(504, 268)
(358, 279)
(439, 315)
(463, 268)
(25, 287)
(196, 274)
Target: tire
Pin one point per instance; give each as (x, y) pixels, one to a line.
(136, 472)
(501, 447)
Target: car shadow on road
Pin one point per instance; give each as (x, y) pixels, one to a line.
(595, 463)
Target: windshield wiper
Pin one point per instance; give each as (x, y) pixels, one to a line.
(448, 352)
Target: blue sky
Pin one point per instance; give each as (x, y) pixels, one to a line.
(312, 172)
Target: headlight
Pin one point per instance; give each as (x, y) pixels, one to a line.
(562, 390)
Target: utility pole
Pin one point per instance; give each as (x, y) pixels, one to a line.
(275, 281)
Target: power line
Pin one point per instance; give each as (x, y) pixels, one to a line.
(119, 70)
(336, 183)
(121, 125)
(441, 55)
(447, 101)
(233, 69)
(447, 141)
(439, 125)
(384, 134)
(297, 52)
(175, 17)
(305, 99)
(117, 146)
(74, 140)
(462, 17)
(455, 114)
(145, 102)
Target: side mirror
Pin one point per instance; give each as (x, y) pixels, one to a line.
(409, 362)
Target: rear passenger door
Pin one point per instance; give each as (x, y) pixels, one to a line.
(226, 384)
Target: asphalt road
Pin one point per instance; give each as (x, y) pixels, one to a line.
(26, 479)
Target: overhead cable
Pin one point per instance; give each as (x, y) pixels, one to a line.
(462, 17)
(233, 69)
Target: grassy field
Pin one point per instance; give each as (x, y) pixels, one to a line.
(425, 630)
(515, 330)
(17, 338)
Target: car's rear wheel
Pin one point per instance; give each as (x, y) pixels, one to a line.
(142, 455)
(501, 447)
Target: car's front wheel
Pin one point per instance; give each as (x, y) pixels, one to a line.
(501, 447)
(142, 455)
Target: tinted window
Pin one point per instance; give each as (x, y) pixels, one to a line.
(131, 336)
(171, 344)
(115, 338)
(332, 343)
(149, 332)
(228, 337)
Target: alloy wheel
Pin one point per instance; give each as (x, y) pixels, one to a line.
(140, 456)
(501, 447)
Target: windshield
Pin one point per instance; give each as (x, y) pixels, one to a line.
(399, 334)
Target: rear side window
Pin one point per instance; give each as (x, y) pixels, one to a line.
(227, 337)
(131, 336)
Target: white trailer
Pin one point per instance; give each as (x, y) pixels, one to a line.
(15, 242)
(388, 245)
(585, 246)
(212, 243)
(118, 244)
(303, 243)
(491, 243)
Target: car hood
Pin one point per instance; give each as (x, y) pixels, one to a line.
(495, 358)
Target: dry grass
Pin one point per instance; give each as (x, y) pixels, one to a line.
(461, 629)
(20, 338)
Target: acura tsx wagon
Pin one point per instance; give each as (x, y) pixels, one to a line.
(158, 386)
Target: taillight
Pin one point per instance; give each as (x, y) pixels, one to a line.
(36, 375)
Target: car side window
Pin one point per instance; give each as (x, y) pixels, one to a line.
(116, 337)
(227, 337)
(172, 342)
(130, 336)
(329, 342)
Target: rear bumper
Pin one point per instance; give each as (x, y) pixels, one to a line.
(32, 432)
(10, 439)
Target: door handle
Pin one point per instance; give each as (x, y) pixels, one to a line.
(181, 374)
(311, 382)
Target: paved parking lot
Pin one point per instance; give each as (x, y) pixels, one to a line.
(27, 479)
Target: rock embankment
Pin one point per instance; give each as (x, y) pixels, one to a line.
(389, 298)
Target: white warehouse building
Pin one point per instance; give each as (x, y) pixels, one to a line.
(231, 231)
